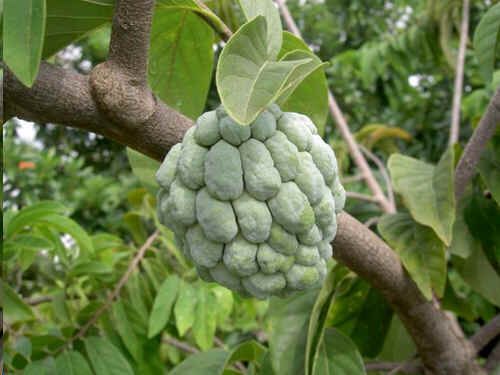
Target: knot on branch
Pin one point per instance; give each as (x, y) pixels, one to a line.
(122, 98)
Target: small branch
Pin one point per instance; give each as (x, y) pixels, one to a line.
(361, 197)
(38, 300)
(220, 27)
(180, 345)
(410, 367)
(485, 130)
(459, 75)
(371, 221)
(129, 44)
(343, 127)
(383, 171)
(486, 333)
(493, 361)
(349, 179)
(116, 291)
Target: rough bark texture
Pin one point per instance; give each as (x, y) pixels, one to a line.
(443, 350)
(114, 101)
(466, 167)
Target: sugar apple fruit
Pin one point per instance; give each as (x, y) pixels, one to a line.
(253, 207)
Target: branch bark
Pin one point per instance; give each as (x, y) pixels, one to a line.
(459, 75)
(442, 349)
(485, 130)
(341, 122)
(486, 333)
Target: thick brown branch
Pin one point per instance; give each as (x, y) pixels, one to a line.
(486, 333)
(441, 348)
(129, 44)
(64, 97)
(493, 361)
(486, 128)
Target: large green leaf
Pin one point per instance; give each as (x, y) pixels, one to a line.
(71, 227)
(70, 20)
(185, 308)
(428, 191)
(311, 95)
(317, 320)
(289, 321)
(13, 306)
(338, 355)
(211, 362)
(162, 307)
(23, 33)
(205, 318)
(248, 79)
(360, 312)
(398, 344)
(268, 9)
(31, 214)
(181, 59)
(248, 351)
(105, 358)
(486, 41)
(144, 168)
(72, 363)
(421, 251)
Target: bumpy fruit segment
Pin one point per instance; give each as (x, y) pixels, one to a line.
(253, 207)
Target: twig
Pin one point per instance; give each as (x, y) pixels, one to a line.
(410, 367)
(361, 197)
(486, 333)
(349, 179)
(180, 345)
(33, 301)
(459, 75)
(343, 127)
(383, 171)
(486, 128)
(371, 221)
(116, 291)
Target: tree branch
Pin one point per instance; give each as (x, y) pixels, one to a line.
(459, 75)
(129, 45)
(493, 361)
(410, 367)
(361, 197)
(485, 130)
(441, 349)
(486, 333)
(341, 122)
(116, 291)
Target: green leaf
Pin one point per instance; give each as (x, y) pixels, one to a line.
(185, 308)
(311, 95)
(462, 241)
(14, 308)
(456, 303)
(91, 267)
(421, 251)
(162, 306)
(40, 367)
(486, 38)
(289, 320)
(144, 168)
(337, 355)
(181, 59)
(247, 77)
(23, 33)
(478, 272)
(317, 320)
(31, 214)
(427, 191)
(205, 319)
(126, 331)
(360, 312)
(67, 225)
(68, 21)
(28, 241)
(210, 362)
(72, 363)
(489, 168)
(105, 358)
(398, 344)
(248, 351)
(269, 11)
